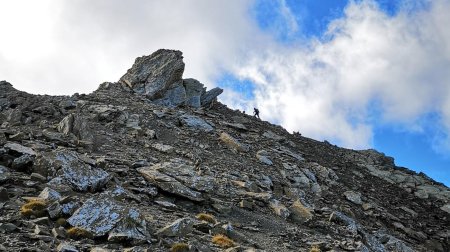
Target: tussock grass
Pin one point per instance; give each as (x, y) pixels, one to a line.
(34, 207)
(223, 241)
(78, 233)
(315, 248)
(300, 212)
(179, 247)
(61, 222)
(206, 217)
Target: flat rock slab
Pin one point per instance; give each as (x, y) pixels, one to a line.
(74, 172)
(103, 215)
(15, 147)
(178, 181)
(196, 122)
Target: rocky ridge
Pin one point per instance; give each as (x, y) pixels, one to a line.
(154, 163)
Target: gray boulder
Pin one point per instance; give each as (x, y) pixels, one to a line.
(179, 228)
(76, 125)
(210, 96)
(153, 75)
(15, 148)
(179, 179)
(194, 90)
(72, 170)
(103, 215)
(173, 97)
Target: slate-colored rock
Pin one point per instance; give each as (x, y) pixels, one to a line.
(195, 122)
(72, 170)
(263, 157)
(354, 197)
(168, 183)
(194, 90)
(180, 228)
(103, 215)
(153, 75)
(209, 96)
(17, 149)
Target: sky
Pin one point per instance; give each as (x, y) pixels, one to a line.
(357, 73)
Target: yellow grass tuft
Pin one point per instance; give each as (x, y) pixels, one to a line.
(34, 207)
(179, 247)
(78, 233)
(61, 222)
(206, 217)
(315, 248)
(223, 241)
(300, 212)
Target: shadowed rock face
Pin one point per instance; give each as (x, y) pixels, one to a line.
(153, 160)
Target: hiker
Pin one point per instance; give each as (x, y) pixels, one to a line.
(256, 112)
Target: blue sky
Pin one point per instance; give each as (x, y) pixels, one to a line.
(360, 74)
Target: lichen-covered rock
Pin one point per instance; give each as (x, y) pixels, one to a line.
(49, 194)
(72, 170)
(103, 215)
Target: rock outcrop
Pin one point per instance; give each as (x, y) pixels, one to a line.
(154, 163)
(159, 77)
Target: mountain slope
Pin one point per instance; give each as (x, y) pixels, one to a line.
(133, 164)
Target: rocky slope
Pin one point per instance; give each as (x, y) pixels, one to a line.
(155, 163)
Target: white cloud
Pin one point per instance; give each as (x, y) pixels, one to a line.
(62, 47)
(325, 89)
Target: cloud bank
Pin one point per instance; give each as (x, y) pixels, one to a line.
(369, 69)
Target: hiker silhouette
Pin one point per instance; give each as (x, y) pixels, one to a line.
(256, 112)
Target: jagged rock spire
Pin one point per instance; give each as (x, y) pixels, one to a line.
(159, 77)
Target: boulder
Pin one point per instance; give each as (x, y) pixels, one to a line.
(354, 197)
(18, 150)
(179, 228)
(102, 215)
(72, 170)
(194, 91)
(173, 97)
(179, 179)
(153, 75)
(208, 97)
(76, 125)
(263, 157)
